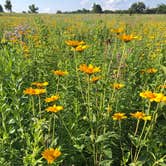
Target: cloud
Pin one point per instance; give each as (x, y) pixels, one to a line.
(116, 4)
(46, 10)
(84, 2)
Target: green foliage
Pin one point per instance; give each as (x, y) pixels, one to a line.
(96, 8)
(138, 7)
(8, 5)
(161, 9)
(1, 8)
(33, 9)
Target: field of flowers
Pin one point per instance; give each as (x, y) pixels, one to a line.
(82, 90)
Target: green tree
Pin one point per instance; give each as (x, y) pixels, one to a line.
(161, 9)
(96, 8)
(8, 5)
(138, 7)
(1, 8)
(33, 9)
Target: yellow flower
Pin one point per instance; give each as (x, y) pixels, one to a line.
(141, 115)
(40, 84)
(162, 86)
(127, 38)
(147, 95)
(157, 97)
(151, 70)
(118, 86)
(89, 69)
(31, 91)
(119, 116)
(74, 43)
(80, 48)
(147, 117)
(118, 30)
(51, 154)
(60, 72)
(94, 79)
(138, 115)
(54, 108)
(164, 99)
(52, 98)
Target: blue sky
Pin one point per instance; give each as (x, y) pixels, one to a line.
(51, 6)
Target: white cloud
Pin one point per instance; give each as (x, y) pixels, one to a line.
(84, 2)
(46, 10)
(116, 4)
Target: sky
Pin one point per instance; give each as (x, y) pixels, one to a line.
(51, 6)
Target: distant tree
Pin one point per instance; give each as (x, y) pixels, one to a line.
(8, 5)
(161, 9)
(96, 8)
(138, 7)
(85, 10)
(33, 9)
(151, 11)
(1, 8)
(24, 12)
(59, 12)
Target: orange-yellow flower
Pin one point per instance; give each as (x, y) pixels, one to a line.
(89, 69)
(60, 72)
(138, 115)
(151, 70)
(31, 91)
(147, 95)
(54, 108)
(74, 43)
(94, 79)
(141, 115)
(40, 84)
(162, 86)
(127, 38)
(80, 48)
(52, 98)
(118, 30)
(119, 116)
(118, 86)
(157, 97)
(51, 154)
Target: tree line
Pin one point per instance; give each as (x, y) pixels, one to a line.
(135, 8)
(8, 7)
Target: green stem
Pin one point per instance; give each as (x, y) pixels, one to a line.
(135, 133)
(39, 106)
(118, 72)
(57, 86)
(139, 147)
(33, 106)
(53, 128)
(78, 78)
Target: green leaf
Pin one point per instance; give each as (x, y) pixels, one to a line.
(106, 163)
(163, 68)
(138, 163)
(108, 153)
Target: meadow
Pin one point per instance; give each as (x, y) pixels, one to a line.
(82, 90)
